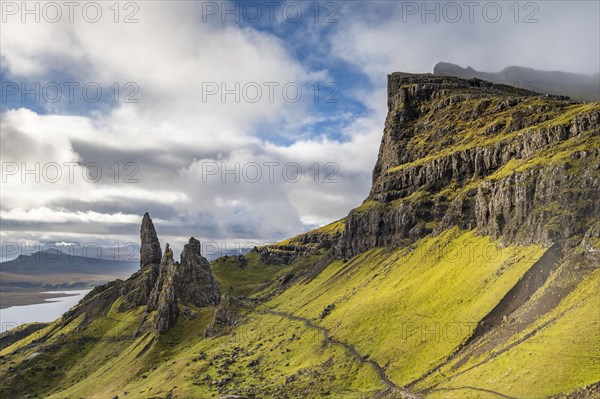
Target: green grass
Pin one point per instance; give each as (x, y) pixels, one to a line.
(367, 205)
(558, 154)
(282, 349)
(69, 353)
(407, 309)
(560, 357)
(179, 360)
(149, 373)
(471, 134)
(332, 228)
(410, 309)
(235, 280)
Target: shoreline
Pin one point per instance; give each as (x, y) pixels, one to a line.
(9, 299)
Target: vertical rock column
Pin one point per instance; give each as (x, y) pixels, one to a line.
(186, 283)
(150, 252)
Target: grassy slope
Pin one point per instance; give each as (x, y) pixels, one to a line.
(409, 310)
(180, 360)
(235, 280)
(67, 352)
(336, 227)
(558, 353)
(104, 360)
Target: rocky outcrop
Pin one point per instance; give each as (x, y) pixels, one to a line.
(503, 165)
(186, 283)
(163, 298)
(577, 86)
(137, 289)
(311, 242)
(150, 252)
(476, 162)
(591, 244)
(476, 155)
(194, 279)
(228, 315)
(545, 206)
(168, 289)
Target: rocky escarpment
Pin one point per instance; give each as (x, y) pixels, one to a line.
(469, 153)
(578, 86)
(285, 252)
(168, 289)
(511, 163)
(228, 315)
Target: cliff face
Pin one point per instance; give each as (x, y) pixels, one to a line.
(473, 154)
(414, 307)
(511, 163)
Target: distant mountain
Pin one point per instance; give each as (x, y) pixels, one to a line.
(577, 86)
(55, 269)
(53, 261)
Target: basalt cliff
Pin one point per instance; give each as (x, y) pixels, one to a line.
(510, 163)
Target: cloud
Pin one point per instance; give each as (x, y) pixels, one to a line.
(488, 36)
(174, 59)
(197, 83)
(46, 215)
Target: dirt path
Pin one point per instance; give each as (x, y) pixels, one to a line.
(475, 389)
(330, 340)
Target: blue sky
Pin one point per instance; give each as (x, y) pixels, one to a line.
(171, 137)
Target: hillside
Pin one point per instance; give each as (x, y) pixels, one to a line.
(577, 86)
(472, 270)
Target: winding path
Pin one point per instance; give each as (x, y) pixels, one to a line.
(330, 340)
(475, 389)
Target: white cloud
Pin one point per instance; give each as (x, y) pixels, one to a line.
(173, 57)
(566, 37)
(47, 215)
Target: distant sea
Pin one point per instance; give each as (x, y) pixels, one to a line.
(44, 312)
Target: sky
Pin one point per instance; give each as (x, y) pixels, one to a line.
(238, 123)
